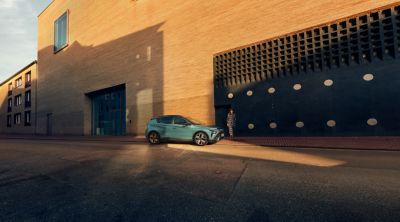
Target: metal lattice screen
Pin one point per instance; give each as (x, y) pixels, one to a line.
(353, 41)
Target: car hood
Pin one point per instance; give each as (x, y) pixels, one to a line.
(209, 127)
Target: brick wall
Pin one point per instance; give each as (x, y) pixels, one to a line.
(162, 50)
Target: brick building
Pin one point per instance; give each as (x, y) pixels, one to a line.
(18, 102)
(106, 67)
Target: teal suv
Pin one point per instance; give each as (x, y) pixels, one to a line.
(179, 128)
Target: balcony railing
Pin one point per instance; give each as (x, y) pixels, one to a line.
(9, 92)
(27, 84)
(27, 104)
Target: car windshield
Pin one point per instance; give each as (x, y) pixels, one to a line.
(193, 121)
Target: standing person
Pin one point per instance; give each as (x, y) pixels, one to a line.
(230, 122)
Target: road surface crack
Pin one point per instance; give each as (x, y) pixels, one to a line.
(238, 180)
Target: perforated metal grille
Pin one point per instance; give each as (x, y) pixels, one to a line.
(353, 41)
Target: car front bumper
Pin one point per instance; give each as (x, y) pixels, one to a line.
(219, 136)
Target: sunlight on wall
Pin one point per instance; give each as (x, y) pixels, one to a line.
(144, 101)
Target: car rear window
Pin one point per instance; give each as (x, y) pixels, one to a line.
(165, 120)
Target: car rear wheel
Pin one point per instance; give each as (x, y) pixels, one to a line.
(200, 139)
(154, 138)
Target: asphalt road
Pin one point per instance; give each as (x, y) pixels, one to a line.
(109, 181)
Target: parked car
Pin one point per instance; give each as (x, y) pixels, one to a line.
(179, 128)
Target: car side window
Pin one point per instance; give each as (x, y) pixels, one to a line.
(166, 120)
(179, 120)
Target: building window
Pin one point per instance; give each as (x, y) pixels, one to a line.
(18, 82)
(17, 119)
(28, 98)
(61, 32)
(9, 105)
(10, 87)
(27, 79)
(27, 118)
(9, 121)
(18, 100)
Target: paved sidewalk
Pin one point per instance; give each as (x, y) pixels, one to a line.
(362, 143)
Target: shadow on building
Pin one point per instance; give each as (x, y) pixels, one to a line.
(130, 67)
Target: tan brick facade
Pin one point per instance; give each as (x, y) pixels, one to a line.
(6, 94)
(162, 50)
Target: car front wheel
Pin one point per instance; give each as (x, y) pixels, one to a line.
(154, 138)
(200, 139)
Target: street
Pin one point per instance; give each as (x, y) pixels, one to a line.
(55, 180)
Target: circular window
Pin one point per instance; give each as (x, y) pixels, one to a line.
(297, 86)
(249, 93)
(230, 95)
(300, 124)
(271, 90)
(273, 125)
(331, 123)
(328, 82)
(372, 121)
(250, 126)
(368, 77)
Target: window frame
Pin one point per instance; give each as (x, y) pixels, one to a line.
(28, 103)
(59, 48)
(28, 82)
(18, 82)
(10, 88)
(15, 118)
(27, 113)
(9, 120)
(9, 105)
(18, 102)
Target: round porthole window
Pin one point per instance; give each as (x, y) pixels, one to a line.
(273, 125)
(368, 77)
(230, 95)
(299, 124)
(331, 123)
(328, 82)
(249, 93)
(297, 87)
(250, 126)
(271, 90)
(372, 121)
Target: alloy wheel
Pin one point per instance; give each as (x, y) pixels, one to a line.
(154, 138)
(201, 139)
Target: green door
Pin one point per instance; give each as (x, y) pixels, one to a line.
(181, 129)
(108, 112)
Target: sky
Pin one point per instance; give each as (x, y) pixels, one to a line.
(18, 34)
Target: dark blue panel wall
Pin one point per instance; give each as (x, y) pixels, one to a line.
(367, 44)
(350, 102)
